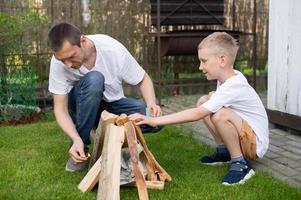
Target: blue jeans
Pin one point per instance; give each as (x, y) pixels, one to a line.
(85, 105)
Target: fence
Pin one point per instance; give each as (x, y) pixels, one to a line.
(127, 21)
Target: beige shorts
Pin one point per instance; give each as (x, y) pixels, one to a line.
(247, 140)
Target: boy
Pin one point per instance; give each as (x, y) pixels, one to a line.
(234, 114)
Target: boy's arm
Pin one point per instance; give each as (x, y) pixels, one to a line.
(204, 98)
(189, 115)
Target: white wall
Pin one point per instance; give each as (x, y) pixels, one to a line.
(284, 58)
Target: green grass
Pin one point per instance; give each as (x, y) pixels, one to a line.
(32, 161)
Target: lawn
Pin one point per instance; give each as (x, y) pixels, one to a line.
(33, 156)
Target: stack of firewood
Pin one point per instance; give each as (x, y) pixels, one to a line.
(105, 162)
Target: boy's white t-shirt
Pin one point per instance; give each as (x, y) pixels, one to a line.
(236, 94)
(113, 60)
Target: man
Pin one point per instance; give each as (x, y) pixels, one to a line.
(86, 74)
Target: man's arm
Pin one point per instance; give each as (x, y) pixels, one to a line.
(65, 122)
(189, 115)
(148, 93)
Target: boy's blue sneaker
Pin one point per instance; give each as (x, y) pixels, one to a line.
(216, 159)
(239, 173)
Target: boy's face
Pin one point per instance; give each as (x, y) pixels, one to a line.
(209, 63)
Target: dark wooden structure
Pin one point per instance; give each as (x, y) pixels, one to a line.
(187, 12)
(196, 13)
(184, 13)
(285, 119)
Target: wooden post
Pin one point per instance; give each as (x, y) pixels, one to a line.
(105, 119)
(109, 182)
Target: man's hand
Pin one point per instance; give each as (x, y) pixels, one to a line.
(155, 110)
(142, 119)
(77, 151)
(148, 93)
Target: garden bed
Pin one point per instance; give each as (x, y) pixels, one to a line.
(15, 114)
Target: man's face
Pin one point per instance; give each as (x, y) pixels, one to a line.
(70, 55)
(209, 63)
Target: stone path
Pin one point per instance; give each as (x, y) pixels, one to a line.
(283, 159)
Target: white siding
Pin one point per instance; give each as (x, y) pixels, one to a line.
(284, 65)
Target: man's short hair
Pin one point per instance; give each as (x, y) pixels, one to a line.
(62, 32)
(221, 42)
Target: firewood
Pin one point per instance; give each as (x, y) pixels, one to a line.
(156, 185)
(121, 120)
(91, 178)
(153, 164)
(106, 170)
(105, 119)
(139, 178)
(109, 181)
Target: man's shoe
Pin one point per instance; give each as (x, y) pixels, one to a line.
(216, 159)
(239, 173)
(72, 166)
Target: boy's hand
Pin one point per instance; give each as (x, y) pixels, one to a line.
(142, 119)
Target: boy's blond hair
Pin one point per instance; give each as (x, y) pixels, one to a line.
(221, 42)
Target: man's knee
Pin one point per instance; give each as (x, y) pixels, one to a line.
(95, 78)
(140, 106)
(134, 106)
(93, 82)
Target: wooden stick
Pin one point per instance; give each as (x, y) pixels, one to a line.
(105, 119)
(156, 185)
(109, 182)
(151, 161)
(132, 143)
(91, 178)
(121, 120)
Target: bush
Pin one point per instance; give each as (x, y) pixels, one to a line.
(18, 78)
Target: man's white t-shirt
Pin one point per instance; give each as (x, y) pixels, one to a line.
(236, 94)
(113, 60)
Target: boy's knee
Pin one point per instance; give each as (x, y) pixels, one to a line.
(222, 115)
(202, 100)
(208, 118)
